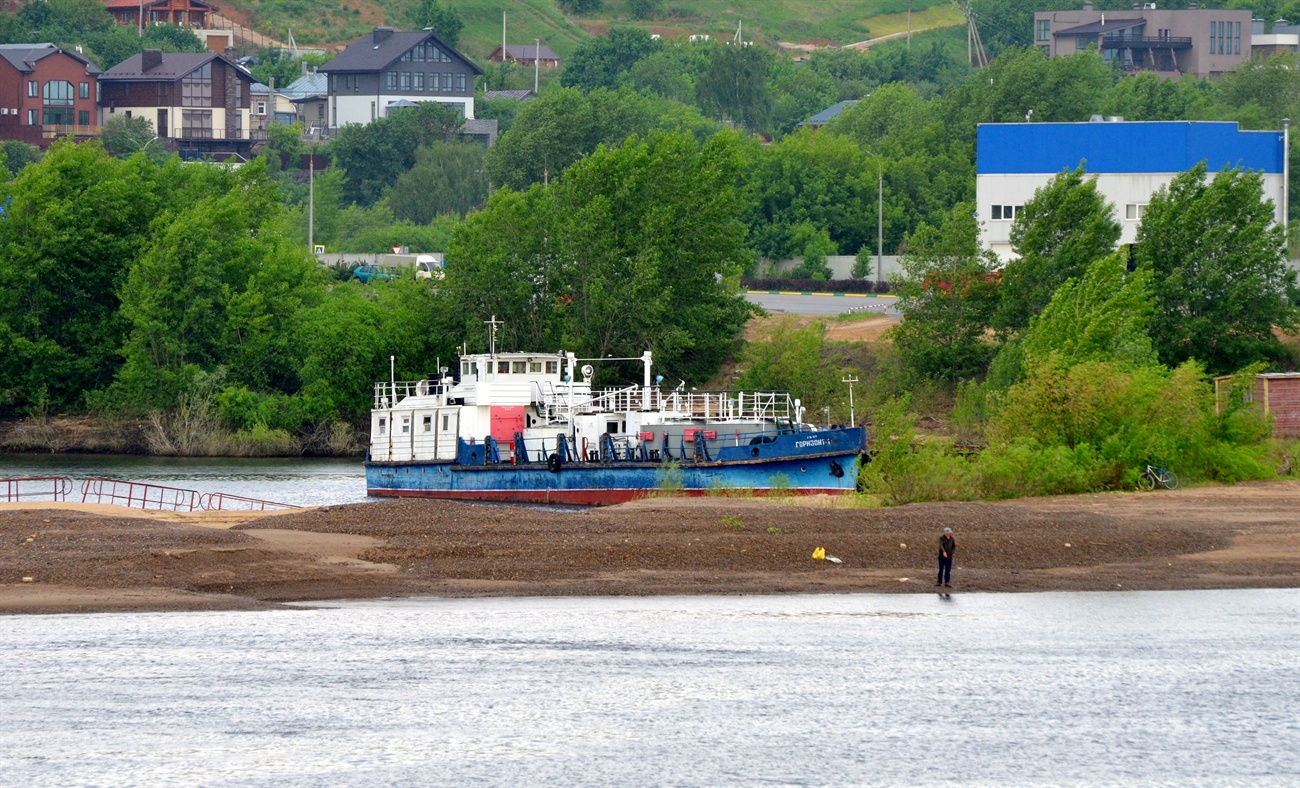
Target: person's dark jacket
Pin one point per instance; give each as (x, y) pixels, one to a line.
(947, 545)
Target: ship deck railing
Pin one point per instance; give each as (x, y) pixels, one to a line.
(706, 405)
(389, 393)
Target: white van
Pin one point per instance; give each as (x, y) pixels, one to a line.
(428, 267)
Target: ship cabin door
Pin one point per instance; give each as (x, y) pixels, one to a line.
(446, 424)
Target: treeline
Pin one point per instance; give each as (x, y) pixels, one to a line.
(807, 194)
(134, 288)
(1076, 364)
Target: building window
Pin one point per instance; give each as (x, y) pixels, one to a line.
(196, 88)
(33, 88)
(406, 425)
(1044, 30)
(418, 84)
(391, 80)
(428, 424)
(261, 108)
(196, 124)
(418, 54)
(383, 426)
(460, 82)
(406, 56)
(405, 81)
(1236, 38)
(58, 93)
(33, 118)
(1006, 213)
(1133, 212)
(444, 422)
(83, 117)
(83, 90)
(446, 82)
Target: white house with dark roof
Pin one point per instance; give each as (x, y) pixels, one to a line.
(385, 67)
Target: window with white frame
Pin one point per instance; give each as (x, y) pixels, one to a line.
(1006, 213)
(261, 108)
(1133, 212)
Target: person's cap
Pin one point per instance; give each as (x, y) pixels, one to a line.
(947, 530)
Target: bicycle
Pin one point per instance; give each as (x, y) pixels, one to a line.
(1153, 476)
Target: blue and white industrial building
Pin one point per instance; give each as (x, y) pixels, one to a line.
(1130, 160)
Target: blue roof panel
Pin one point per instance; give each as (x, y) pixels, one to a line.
(1118, 147)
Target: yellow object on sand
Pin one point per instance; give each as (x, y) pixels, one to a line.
(819, 554)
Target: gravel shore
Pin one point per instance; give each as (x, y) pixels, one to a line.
(1243, 536)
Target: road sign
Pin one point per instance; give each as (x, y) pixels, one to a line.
(319, 249)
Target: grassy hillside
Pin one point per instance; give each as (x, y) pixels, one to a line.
(768, 21)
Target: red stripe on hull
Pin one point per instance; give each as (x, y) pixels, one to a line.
(566, 497)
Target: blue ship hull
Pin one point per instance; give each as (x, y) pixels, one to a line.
(820, 462)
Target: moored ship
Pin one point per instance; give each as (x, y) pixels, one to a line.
(530, 427)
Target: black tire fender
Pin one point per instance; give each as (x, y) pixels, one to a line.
(553, 463)
(836, 469)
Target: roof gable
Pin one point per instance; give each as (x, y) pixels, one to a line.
(172, 66)
(365, 54)
(24, 57)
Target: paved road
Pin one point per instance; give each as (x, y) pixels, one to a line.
(820, 304)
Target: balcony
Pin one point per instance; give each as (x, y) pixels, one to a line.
(55, 131)
(241, 135)
(1147, 42)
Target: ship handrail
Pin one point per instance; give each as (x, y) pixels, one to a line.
(389, 393)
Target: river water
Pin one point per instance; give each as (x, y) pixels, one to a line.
(299, 481)
(1142, 688)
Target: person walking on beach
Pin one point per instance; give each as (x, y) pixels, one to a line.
(947, 545)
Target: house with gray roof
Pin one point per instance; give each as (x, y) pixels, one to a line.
(200, 103)
(46, 92)
(310, 96)
(828, 114)
(385, 67)
(526, 55)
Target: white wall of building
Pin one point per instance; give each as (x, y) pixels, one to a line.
(176, 121)
(362, 109)
(1120, 189)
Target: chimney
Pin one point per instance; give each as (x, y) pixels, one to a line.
(150, 59)
(382, 34)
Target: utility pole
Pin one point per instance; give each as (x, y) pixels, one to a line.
(140, 27)
(853, 416)
(537, 56)
(880, 216)
(1286, 184)
(311, 203)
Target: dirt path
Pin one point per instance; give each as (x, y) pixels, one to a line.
(1246, 536)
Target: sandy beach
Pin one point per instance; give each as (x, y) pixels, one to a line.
(58, 558)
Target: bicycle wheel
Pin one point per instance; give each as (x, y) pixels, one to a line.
(1146, 482)
(1170, 481)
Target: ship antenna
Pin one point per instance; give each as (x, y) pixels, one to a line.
(492, 334)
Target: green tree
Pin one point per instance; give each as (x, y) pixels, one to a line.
(734, 86)
(442, 17)
(1219, 273)
(124, 137)
(1145, 96)
(72, 226)
(786, 357)
(643, 9)
(946, 294)
(219, 286)
(814, 244)
(374, 155)
(1103, 316)
(1063, 228)
(18, 154)
(446, 178)
(598, 62)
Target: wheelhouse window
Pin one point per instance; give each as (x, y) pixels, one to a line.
(383, 426)
(428, 424)
(519, 367)
(535, 367)
(503, 367)
(552, 367)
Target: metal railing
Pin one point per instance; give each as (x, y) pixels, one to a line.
(54, 488)
(388, 394)
(142, 495)
(718, 405)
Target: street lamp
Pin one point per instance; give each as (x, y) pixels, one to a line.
(880, 217)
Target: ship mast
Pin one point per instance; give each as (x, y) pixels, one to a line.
(492, 334)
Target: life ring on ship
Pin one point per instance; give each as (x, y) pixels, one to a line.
(553, 463)
(836, 469)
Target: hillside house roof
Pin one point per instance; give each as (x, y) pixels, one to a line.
(517, 95)
(529, 52)
(380, 48)
(169, 67)
(828, 114)
(25, 56)
(308, 86)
